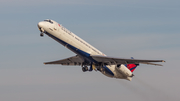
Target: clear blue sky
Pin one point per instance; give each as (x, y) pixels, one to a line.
(121, 28)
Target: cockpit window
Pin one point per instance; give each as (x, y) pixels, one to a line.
(49, 21)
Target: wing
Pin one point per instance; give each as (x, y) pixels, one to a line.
(113, 61)
(75, 60)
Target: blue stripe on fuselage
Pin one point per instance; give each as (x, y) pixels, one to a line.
(108, 70)
(79, 52)
(83, 54)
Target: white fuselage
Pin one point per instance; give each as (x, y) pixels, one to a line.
(74, 43)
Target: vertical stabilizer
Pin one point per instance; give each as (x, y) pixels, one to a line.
(131, 67)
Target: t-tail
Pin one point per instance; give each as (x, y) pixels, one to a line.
(132, 67)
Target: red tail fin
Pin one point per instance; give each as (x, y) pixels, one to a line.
(131, 67)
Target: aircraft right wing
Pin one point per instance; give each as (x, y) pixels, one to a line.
(114, 61)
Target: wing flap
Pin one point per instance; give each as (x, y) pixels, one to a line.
(75, 60)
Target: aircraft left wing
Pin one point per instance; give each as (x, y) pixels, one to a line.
(75, 60)
(114, 61)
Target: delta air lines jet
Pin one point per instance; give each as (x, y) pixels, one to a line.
(88, 57)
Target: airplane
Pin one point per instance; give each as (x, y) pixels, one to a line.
(87, 56)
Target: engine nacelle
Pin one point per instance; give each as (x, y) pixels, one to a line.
(124, 71)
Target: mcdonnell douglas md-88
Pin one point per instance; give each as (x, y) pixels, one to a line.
(88, 57)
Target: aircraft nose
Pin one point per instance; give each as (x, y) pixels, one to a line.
(40, 24)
